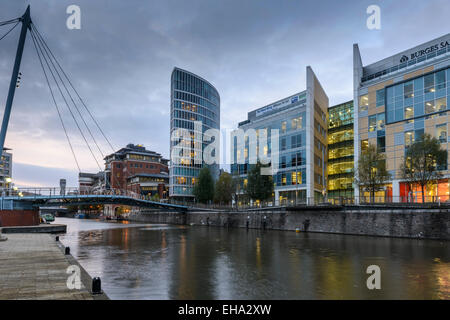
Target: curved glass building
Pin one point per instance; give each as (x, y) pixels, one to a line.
(192, 99)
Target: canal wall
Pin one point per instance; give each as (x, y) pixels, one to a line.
(418, 223)
(16, 218)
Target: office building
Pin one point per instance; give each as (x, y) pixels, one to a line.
(192, 99)
(397, 100)
(301, 120)
(340, 153)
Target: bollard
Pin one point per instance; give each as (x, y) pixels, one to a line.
(96, 285)
(67, 250)
(247, 224)
(57, 238)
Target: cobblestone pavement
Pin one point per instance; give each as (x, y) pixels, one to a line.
(33, 267)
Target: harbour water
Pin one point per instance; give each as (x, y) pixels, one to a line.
(148, 261)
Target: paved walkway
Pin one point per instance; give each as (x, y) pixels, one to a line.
(32, 266)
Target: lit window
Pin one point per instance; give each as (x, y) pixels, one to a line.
(372, 123)
(363, 103)
(441, 132)
(409, 138)
(429, 107)
(409, 112)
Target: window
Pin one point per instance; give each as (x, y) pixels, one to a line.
(440, 104)
(409, 138)
(372, 123)
(441, 132)
(296, 141)
(440, 79)
(380, 121)
(296, 123)
(418, 134)
(408, 90)
(296, 159)
(296, 177)
(283, 162)
(409, 112)
(363, 103)
(380, 97)
(283, 127)
(283, 144)
(364, 145)
(429, 83)
(429, 107)
(381, 144)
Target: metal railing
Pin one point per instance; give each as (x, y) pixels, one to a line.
(56, 192)
(70, 192)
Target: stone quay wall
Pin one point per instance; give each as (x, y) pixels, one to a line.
(419, 223)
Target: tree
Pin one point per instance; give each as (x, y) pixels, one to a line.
(422, 161)
(223, 191)
(371, 172)
(237, 188)
(155, 197)
(259, 187)
(204, 186)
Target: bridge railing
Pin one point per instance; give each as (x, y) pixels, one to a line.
(56, 192)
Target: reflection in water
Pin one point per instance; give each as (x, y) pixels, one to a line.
(142, 261)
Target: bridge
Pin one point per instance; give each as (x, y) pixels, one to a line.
(58, 81)
(32, 198)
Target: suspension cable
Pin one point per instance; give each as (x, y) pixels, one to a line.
(54, 101)
(67, 104)
(4, 23)
(79, 97)
(74, 104)
(76, 92)
(9, 31)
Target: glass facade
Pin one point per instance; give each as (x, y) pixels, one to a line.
(192, 99)
(397, 106)
(340, 152)
(420, 97)
(292, 155)
(292, 150)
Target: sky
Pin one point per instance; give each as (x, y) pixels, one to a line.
(254, 52)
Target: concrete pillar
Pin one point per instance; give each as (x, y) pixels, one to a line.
(395, 191)
(277, 197)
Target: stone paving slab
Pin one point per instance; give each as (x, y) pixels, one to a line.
(32, 266)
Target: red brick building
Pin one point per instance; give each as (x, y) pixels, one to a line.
(136, 169)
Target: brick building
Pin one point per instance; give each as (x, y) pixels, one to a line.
(137, 169)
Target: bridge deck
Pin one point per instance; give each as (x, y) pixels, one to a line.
(58, 200)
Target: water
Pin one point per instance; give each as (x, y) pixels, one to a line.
(145, 261)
